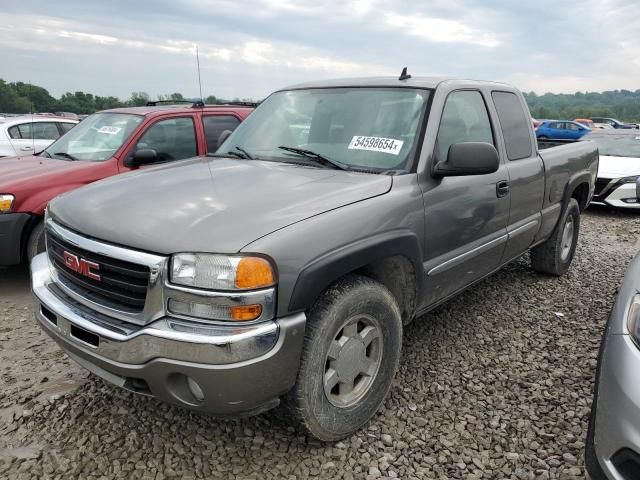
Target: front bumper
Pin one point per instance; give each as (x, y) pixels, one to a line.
(617, 421)
(624, 195)
(237, 369)
(11, 229)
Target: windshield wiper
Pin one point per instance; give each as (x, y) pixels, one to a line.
(66, 155)
(315, 156)
(45, 152)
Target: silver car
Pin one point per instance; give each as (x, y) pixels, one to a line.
(613, 440)
(27, 135)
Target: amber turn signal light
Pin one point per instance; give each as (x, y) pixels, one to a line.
(254, 272)
(245, 312)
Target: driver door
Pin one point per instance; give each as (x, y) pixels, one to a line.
(465, 217)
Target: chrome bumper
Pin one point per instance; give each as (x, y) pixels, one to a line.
(238, 368)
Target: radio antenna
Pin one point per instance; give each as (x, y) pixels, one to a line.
(33, 141)
(199, 80)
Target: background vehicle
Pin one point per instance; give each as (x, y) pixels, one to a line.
(619, 169)
(336, 213)
(585, 122)
(561, 130)
(102, 145)
(21, 136)
(613, 440)
(613, 122)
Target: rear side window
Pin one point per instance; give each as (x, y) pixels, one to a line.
(464, 119)
(214, 125)
(66, 126)
(514, 125)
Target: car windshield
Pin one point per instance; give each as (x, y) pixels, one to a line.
(96, 138)
(617, 144)
(371, 129)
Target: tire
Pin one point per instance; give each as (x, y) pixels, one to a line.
(554, 256)
(36, 243)
(340, 342)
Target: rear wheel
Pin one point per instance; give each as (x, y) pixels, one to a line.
(554, 256)
(36, 243)
(351, 352)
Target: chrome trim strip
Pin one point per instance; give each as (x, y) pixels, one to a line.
(165, 338)
(523, 228)
(447, 265)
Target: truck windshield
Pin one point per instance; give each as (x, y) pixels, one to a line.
(616, 144)
(371, 129)
(96, 138)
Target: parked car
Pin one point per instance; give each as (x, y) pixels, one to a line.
(21, 136)
(586, 122)
(613, 122)
(561, 130)
(287, 264)
(613, 439)
(105, 144)
(617, 184)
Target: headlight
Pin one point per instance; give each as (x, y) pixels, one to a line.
(237, 287)
(633, 318)
(221, 272)
(6, 203)
(630, 179)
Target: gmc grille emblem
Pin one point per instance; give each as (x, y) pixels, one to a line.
(81, 266)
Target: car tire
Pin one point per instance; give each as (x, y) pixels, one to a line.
(36, 242)
(350, 355)
(554, 256)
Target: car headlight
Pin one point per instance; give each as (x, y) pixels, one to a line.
(6, 203)
(633, 179)
(231, 287)
(221, 272)
(633, 318)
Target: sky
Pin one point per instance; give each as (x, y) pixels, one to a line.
(249, 48)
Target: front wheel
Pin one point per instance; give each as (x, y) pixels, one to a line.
(36, 242)
(350, 355)
(554, 256)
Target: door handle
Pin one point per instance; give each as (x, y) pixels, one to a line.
(502, 188)
(25, 149)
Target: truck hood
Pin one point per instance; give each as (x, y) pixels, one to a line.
(618, 167)
(208, 205)
(16, 170)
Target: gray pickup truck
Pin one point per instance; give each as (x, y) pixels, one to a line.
(283, 267)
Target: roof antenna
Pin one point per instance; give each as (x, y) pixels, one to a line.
(404, 75)
(199, 81)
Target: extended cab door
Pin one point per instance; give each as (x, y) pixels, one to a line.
(526, 172)
(465, 216)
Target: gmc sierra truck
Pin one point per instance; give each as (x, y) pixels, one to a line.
(284, 267)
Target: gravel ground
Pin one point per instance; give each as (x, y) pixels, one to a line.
(495, 384)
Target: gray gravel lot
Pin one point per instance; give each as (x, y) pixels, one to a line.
(495, 384)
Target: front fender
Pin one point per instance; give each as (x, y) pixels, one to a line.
(317, 275)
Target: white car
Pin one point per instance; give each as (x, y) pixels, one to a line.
(618, 182)
(27, 135)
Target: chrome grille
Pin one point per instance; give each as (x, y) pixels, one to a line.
(122, 285)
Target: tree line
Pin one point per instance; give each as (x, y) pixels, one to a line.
(20, 97)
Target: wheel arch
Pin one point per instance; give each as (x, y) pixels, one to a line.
(392, 258)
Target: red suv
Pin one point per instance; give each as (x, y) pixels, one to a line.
(104, 144)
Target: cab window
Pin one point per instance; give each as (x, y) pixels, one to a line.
(214, 125)
(464, 119)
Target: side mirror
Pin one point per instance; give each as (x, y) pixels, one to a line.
(223, 136)
(469, 158)
(144, 156)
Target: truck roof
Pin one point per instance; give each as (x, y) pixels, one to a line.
(158, 109)
(413, 82)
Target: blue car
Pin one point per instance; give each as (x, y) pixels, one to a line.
(561, 130)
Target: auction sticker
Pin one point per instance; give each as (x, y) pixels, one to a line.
(109, 130)
(376, 144)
